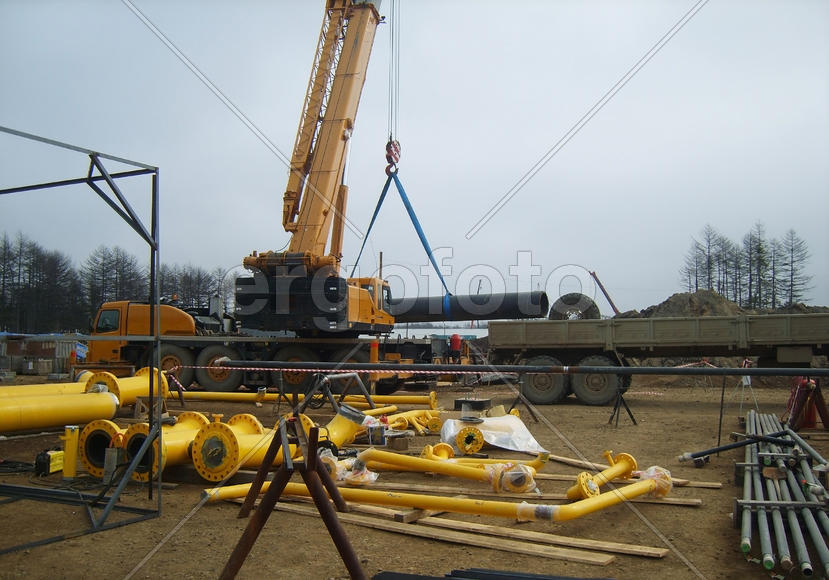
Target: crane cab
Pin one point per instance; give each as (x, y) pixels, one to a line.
(369, 305)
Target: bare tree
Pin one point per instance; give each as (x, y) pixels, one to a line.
(795, 281)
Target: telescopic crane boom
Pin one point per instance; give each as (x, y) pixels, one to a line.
(300, 289)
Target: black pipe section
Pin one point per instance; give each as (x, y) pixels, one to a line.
(750, 440)
(532, 369)
(510, 305)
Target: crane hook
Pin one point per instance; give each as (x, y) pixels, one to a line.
(392, 156)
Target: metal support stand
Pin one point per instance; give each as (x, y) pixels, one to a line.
(317, 480)
(617, 408)
(322, 385)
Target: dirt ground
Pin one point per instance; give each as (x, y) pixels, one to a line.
(191, 540)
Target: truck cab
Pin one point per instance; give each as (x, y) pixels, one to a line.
(118, 319)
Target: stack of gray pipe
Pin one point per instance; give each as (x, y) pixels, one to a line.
(787, 508)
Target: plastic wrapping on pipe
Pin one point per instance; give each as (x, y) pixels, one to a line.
(471, 307)
(506, 432)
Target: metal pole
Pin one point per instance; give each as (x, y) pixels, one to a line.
(799, 542)
(337, 367)
(783, 553)
(808, 448)
(762, 517)
(808, 517)
(745, 541)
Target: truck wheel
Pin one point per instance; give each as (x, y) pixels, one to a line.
(295, 381)
(346, 356)
(177, 356)
(217, 378)
(574, 306)
(596, 389)
(544, 389)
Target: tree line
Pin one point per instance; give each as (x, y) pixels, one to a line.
(42, 290)
(756, 272)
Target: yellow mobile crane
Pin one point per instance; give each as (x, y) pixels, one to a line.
(297, 306)
(300, 289)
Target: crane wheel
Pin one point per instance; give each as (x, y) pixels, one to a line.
(349, 355)
(295, 381)
(214, 378)
(176, 356)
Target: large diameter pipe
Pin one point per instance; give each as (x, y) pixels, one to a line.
(42, 389)
(519, 511)
(43, 411)
(219, 449)
(128, 389)
(173, 447)
(471, 307)
(94, 440)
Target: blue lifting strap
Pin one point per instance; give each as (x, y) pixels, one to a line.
(418, 229)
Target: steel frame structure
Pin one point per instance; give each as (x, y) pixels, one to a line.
(120, 206)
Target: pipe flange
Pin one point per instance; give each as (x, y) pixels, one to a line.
(215, 452)
(93, 442)
(433, 424)
(306, 422)
(191, 420)
(586, 486)
(626, 457)
(433, 400)
(134, 438)
(469, 440)
(443, 451)
(105, 379)
(246, 424)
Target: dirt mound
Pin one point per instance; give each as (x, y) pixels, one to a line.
(699, 303)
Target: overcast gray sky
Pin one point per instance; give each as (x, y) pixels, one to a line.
(727, 125)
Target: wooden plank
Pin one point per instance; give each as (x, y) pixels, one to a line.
(528, 535)
(676, 482)
(466, 539)
(448, 490)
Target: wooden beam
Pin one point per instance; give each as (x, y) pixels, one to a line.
(528, 535)
(466, 539)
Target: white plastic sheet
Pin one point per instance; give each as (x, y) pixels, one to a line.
(506, 432)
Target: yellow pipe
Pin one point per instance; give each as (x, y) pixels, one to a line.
(523, 511)
(41, 389)
(587, 485)
(174, 448)
(520, 511)
(229, 397)
(219, 449)
(424, 465)
(430, 399)
(128, 389)
(444, 451)
(379, 410)
(70, 451)
(343, 428)
(93, 442)
(601, 501)
(42, 411)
